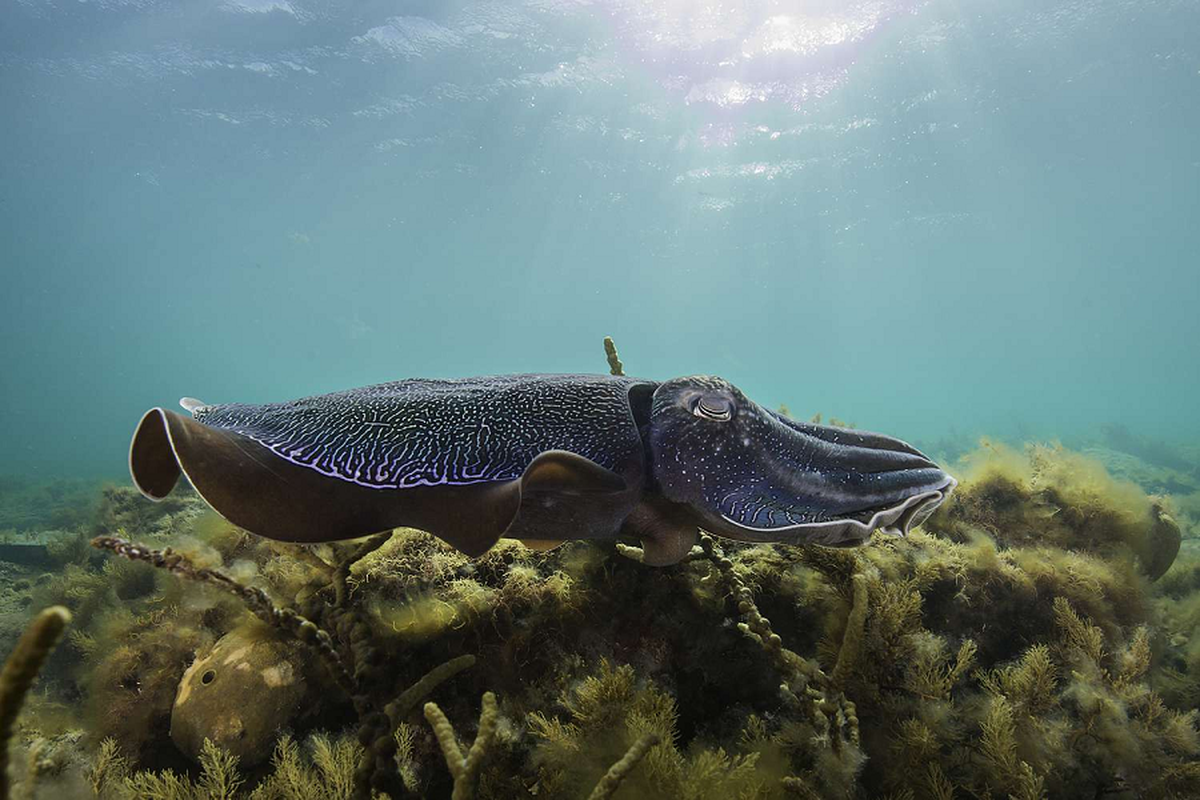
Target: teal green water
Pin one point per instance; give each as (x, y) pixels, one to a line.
(932, 219)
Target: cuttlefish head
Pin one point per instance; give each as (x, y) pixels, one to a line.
(752, 474)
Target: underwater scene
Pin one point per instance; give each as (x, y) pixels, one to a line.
(582, 399)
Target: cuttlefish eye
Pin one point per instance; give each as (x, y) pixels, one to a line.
(718, 409)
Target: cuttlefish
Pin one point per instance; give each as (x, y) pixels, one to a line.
(541, 458)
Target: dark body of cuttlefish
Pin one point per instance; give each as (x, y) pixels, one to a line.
(540, 458)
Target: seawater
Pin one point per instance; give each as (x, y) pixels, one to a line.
(920, 217)
(970, 224)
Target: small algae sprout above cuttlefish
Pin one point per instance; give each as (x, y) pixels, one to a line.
(538, 458)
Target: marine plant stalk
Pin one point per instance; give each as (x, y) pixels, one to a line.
(19, 672)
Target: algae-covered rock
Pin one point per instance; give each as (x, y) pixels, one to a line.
(241, 694)
(1052, 497)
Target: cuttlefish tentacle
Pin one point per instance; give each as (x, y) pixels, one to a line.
(540, 458)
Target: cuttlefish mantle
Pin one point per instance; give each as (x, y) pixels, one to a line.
(540, 458)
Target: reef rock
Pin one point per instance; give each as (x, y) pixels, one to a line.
(241, 694)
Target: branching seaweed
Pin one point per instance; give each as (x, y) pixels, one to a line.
(19, 672)
(621, 769)
(377, 770)
(284, 619)
(464, 769)
(806, 688)
(1013, 646)
(615, 367)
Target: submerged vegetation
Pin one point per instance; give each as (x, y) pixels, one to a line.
(1016, 646)
(1037, 638)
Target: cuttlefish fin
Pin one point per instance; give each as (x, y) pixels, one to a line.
(566, 494)
(256, 489)
(152, 461)
(485, 515)
(566, 473)
(552, 474)
(667, 531)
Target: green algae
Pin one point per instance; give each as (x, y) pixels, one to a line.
(1015, 646)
